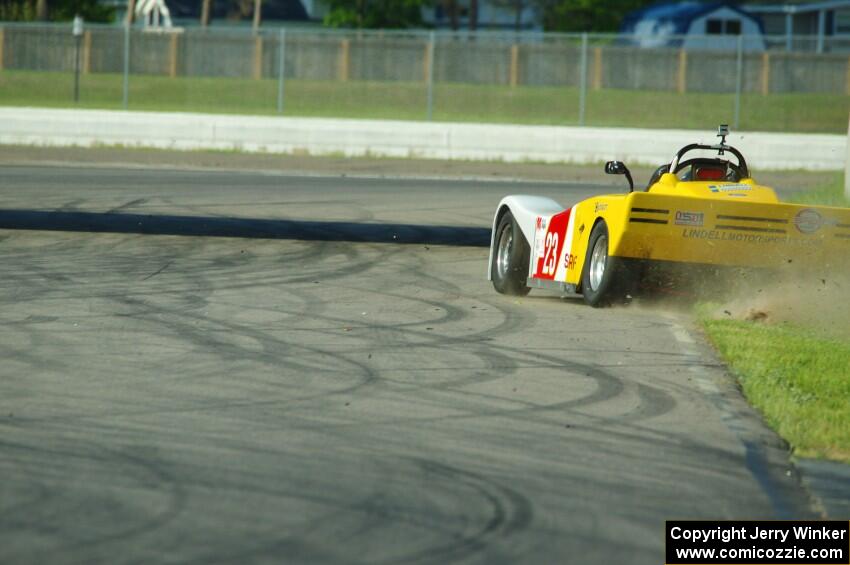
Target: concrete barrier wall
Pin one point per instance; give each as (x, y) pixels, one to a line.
(48, 127)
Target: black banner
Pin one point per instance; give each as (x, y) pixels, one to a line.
(757, 542)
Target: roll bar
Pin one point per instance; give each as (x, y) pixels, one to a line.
(721, 148)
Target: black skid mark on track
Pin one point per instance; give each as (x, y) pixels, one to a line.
(503, 360)
(39, 492)
(72, 205)
(126, 205)
(158, 271)
(481, 523)
(211, 226)
(275, 353)
(508, 513)
(484, 520)
(499, 360)
(30, 355)
(156, 476)
(350, 265)
(607, 385)
(653, 402)
(159, 476)
(496, 366)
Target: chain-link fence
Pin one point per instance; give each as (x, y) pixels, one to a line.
(754, 83)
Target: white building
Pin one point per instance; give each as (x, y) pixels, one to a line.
(811, 26)
(694, 25)
(502, 16)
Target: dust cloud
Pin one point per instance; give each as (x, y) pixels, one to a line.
(817, 300)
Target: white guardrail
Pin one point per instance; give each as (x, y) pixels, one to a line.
(433, 140)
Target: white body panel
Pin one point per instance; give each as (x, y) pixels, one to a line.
(525, 209)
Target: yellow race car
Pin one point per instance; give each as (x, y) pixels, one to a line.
(698, 214)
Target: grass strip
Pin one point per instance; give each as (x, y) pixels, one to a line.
(532, 105)
(830, 195)
(799, 381)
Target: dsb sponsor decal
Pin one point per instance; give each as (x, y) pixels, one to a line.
(696, 219)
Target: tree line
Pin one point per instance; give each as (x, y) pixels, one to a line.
(556, 15)
(54, 10)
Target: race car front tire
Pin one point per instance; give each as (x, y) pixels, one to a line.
(604, 279)
(511, 254)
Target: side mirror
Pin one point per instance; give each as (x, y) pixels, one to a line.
(615, 168)
(620, 168)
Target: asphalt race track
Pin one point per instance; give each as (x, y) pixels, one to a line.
(230, 367)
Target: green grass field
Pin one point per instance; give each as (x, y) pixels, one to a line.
(452, 102)
(829, 195)
(797, 376)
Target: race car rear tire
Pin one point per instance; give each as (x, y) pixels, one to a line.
(511, 254)
(605, 279)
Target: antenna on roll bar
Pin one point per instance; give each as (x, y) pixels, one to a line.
(722, 132)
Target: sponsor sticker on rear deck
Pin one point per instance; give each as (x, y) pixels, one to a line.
(808, 220)
(729, 187)
(696, 219)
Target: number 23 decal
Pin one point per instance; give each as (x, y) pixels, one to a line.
(550, 249)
